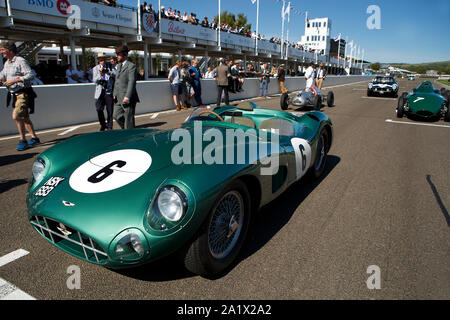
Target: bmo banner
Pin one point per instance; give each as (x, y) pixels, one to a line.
(89, 11)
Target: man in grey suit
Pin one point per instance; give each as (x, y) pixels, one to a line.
(222, 74)
(125, 94)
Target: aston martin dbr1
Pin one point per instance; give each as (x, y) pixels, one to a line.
(383, 85)
(307, 97)
(425, 102)
(123, 198)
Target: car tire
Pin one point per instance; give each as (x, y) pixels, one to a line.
(330, 99)
(369, 93)
(400, 103)
(284, 101)
(317, 103)
(322, 148)
(210, 254)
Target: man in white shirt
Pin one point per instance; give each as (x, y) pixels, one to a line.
(310, 75)
(210, 74)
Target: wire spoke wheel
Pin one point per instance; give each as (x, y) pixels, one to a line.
(320, 157)
(226, 224)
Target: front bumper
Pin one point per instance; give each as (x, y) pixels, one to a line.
(384, 90)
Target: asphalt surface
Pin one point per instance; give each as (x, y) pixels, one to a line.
(384, 200)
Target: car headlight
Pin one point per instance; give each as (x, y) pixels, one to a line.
(394, 87)
(171, 203)
(130, 245)
(168, 207)
(370, 85)
(38, 169)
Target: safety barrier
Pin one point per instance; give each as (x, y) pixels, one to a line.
(65, 105)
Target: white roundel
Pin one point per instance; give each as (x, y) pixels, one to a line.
(110, 171)
(302, 155)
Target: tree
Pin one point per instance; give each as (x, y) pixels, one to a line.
(230, 19)
(375, 66)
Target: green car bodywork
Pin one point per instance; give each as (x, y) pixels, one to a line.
(425, 102)
(88, 203)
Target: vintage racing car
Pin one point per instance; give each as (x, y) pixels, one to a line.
(123, 198)
(425, 102)
(383, 85)
(307, 97)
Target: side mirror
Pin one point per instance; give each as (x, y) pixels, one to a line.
(415, 89)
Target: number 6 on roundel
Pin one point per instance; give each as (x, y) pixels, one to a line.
(302, 155)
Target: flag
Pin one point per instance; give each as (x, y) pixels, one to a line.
(338, 37)
(285, 11)
(253, 1)
(288, 11)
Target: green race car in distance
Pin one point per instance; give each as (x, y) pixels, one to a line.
(127, 197)
(425, 102)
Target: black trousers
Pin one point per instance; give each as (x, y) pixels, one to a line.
(100, 103)
(221, 89)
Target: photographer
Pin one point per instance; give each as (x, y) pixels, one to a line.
(100, 76)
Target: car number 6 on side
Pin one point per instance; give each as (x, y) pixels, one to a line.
(302, 155)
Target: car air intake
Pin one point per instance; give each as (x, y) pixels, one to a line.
(69, 239)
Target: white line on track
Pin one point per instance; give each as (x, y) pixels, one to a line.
(80, 126)
(417, 124)
(68, 130)
(154, 116)
(10, 257)
(379, 98)
(9, 291)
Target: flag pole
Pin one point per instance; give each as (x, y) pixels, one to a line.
(282, 29)
(287, 31)
(159, 20)
(339, 51)
(257, 26)
(362, 59)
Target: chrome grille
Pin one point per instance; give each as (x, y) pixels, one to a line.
(69, 239)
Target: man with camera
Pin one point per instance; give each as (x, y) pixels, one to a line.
(101, 75)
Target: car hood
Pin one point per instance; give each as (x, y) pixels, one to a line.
(425, 102)
(101, 208)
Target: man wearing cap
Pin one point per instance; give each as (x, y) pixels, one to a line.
(125, 94)
(17, 76)
(100, 76)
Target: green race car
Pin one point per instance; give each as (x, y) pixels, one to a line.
(126, 197)
(425, 102)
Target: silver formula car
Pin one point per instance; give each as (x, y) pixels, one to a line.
(307, 97)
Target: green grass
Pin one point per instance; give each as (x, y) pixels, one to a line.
(446, 82)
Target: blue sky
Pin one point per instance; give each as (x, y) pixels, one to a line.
(411, 31)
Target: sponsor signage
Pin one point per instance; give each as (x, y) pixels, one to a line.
(90, 12)
(149, 22)
(178, 28)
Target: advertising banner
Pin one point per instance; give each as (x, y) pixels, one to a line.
(268, 46)
(91, 12)
(178, 28)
